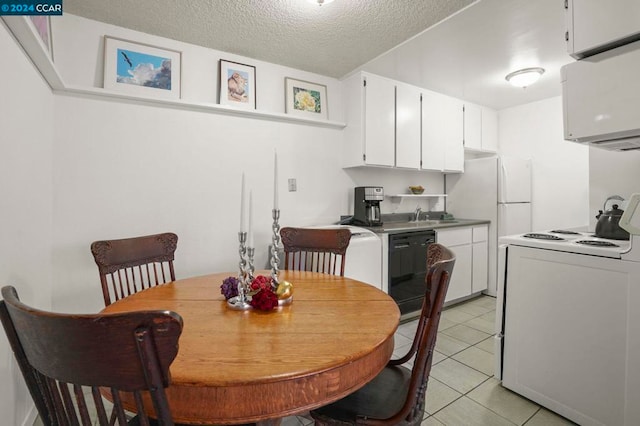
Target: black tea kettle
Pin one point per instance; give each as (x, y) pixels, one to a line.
(608, 225)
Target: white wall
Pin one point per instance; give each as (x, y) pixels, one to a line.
(560, 169)
(26, 123)
(397, 181)
(123, 170)
(611, 173)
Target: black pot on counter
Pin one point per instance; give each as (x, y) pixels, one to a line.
(608, 225)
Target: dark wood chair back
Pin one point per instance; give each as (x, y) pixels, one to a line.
(68, 360)
(316, 250)
(397, 395)
(129, 265)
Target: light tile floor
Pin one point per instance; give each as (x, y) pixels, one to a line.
(462, 390)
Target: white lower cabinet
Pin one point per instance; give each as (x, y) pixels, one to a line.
(480, 255)
(470, 246)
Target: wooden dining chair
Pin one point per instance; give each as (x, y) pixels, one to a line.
(70, 361)
(129, 265)
(396, 396)
(316, 250)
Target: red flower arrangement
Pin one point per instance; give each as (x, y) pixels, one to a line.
(264, 297)
(265, 300)
(261, 283)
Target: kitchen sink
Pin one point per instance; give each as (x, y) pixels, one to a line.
(429, 222)
(395, 226)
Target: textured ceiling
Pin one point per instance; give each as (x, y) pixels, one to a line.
(466, 55)
(331, 40)
(469, 55)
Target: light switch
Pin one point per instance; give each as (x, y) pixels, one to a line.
(292, 185)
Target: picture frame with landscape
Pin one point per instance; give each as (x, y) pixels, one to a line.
(141, 69)
(306, 99)
(237, 84)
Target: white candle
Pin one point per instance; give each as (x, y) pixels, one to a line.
(250, 233)
(242, 224)
(275, 181)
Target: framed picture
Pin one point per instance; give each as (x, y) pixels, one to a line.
(305, 99)
(42, 27)
(139, 69)
(237, 84)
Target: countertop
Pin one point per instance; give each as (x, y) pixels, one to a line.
(423, 225)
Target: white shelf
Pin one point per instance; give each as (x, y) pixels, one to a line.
(95, 92)
(26, 35)
(417, 195)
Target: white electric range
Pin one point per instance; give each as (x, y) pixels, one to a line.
(568, 323)
(570, 241)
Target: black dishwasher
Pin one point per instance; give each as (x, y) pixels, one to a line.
(408, 268)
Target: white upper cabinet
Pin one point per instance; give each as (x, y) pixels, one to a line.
(393, 124)
(442, 132)
(489, 129)
(379, 110)
(408, 105)
(433, 133)
(594, 26)
(472, 126)
(370, 114)
(480, 128)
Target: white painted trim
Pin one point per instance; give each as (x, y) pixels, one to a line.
(26, 36)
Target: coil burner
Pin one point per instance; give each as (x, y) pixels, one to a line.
(547, 237)
(596, 243)
(563, 232)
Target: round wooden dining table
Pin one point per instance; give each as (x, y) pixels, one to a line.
(252, 366)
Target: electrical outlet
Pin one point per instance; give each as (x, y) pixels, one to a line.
(293, 186)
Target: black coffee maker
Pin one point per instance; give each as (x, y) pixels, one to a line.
(366, 208)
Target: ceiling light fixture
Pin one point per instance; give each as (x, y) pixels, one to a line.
(320, 2)
(524, 77)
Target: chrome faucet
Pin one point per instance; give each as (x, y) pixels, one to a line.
(416, 214)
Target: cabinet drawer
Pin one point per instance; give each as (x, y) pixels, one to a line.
(454, 237)
(480, 233)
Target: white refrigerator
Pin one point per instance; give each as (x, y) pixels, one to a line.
(497, 189)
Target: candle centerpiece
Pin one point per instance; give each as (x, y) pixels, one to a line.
(241, 300)
(260, 292)
(251, 248)
(275, 227)
(283, 289)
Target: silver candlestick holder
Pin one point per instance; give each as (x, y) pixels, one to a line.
(275, 245)
(241, 301)
(250, 268)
